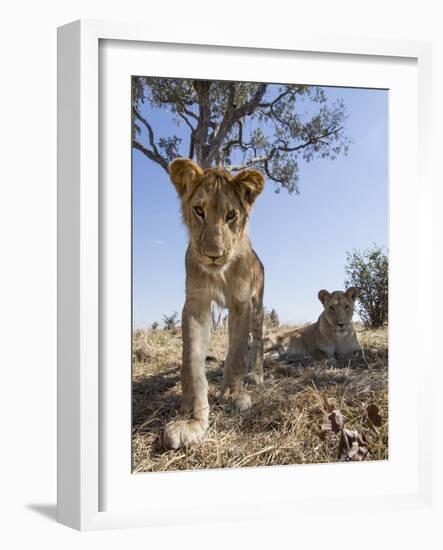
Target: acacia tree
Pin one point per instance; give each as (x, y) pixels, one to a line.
(368, 270)
(238, 125)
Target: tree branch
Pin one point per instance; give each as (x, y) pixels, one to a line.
(277, 118)
(223, 128)
(170, 98)
(277, 99)
(188, 112)
(230, 106)
(202, 88)
(149, 128)
(271, 176)
(312, 141)
(233, 115)
(248, 163)
(238, 141)
(265, 159)
(249, 107)
(151, 155)
(182, 116)
(191, 146)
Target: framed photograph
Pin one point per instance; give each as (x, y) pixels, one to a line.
(239, 224)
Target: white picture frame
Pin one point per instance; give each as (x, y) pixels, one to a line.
(82, 406)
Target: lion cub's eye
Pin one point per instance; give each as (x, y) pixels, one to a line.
(230, 215)
(199, 211)
(331, 308)
(346, 308)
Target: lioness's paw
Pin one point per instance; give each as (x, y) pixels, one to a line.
(255, 378)
(330, 362)
(183, 432)
(240, 401)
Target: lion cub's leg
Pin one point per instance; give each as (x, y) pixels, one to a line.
(236, 364)
(191, 427)
(255, 375)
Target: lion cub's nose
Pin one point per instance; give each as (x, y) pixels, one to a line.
(341, 325)
(214, 258)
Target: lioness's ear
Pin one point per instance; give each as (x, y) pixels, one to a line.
(183, 173)
(323, 295)
(353, 293)
(250, 184)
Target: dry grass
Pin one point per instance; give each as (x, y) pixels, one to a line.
(283, 424)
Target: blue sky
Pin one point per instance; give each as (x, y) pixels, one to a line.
(302, 239)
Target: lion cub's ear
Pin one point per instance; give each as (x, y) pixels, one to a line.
(353, 293)
(250, 184)
(183, 173)
(323, 295)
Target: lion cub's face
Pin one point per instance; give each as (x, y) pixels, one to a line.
(339, 307)
(215, 208)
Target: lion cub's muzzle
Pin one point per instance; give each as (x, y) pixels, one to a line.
(215, 258)
(215, 261)
(213, 254)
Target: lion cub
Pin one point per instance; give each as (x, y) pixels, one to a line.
(221, 266)
(332, 336)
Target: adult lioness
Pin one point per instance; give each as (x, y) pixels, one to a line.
(220, 266)
(332, 336)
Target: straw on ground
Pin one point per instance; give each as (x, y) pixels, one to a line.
(283, 425)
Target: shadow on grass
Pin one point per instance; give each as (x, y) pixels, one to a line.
(152, 396)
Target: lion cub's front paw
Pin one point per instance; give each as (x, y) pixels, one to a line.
(255, 378)
(238, 400)
(180, 433)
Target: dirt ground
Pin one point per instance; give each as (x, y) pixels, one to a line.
(293, 418)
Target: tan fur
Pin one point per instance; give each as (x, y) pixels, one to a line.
(332, 336)
(221, 266)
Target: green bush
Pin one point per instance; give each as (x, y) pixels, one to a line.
(368, 270)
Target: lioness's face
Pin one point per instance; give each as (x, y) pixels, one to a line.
(339, 307)
(215, 208)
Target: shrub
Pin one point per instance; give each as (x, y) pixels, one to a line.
(368, 270)
(271, 319)
(170, 321)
